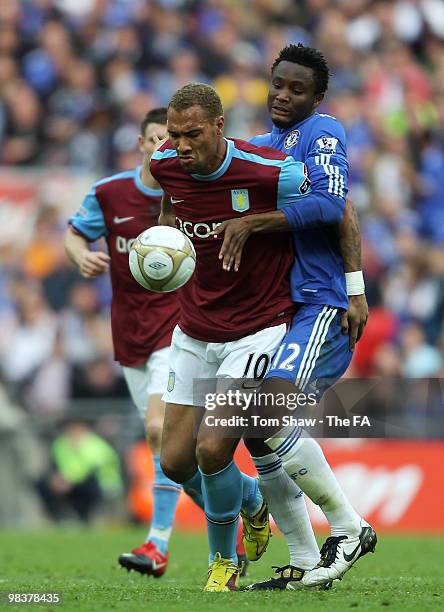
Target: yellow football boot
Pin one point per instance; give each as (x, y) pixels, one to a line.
(222, 576)
(256, 533)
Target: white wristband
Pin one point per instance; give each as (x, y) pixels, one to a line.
(355, 283)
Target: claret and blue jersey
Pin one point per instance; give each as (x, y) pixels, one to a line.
(224, 306)
(119, 208)
(259, 180)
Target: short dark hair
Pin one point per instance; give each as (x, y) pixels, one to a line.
(306, 56)
(198, 94)
(155, 115)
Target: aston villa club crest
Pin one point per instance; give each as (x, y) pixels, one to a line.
(171, 381)
(239, 200)
(291, 139)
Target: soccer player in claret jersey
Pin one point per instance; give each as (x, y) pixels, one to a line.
(315, 351)
(119, 208)
(229, 321)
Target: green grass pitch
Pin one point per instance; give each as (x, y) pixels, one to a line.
(406, 573)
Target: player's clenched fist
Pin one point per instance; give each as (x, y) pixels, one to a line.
(93, 263)
(89, 263)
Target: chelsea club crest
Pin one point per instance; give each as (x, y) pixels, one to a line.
(291, 139)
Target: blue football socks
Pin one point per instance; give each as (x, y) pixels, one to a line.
(251, 496)
(222, 493)
(193, 488)
(165, 498)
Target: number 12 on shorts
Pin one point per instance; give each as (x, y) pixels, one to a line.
(287, 363)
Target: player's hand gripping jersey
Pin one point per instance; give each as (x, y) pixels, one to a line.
(318, 273)
(218, 306)
(120, 208)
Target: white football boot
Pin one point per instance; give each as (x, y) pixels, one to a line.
(338, 554)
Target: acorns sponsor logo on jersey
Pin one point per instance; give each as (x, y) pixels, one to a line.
(124, 245)
(197, 230)
(291, 139)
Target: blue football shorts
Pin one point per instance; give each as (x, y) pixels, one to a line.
(315, 352)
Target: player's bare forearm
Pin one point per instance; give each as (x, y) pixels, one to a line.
(237, 231)
(167, 216)
(350, 238)
(354, 320)
(274, 221)
(75, 245)
(166, 208)
(89, 263)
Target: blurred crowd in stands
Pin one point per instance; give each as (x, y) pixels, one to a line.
(77, 76)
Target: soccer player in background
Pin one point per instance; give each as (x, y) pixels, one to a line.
(315, 350)
(119, 208)
(227, 322)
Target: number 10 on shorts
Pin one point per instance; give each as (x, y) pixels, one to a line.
(256, 366)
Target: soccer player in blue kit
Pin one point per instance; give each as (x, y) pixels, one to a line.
(328, 289)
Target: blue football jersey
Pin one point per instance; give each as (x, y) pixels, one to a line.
(318, 272)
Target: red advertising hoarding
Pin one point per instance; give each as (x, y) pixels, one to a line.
(397, 486)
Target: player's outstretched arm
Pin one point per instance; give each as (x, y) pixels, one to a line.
(353, 321)
(293, 185)
(89, 263)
